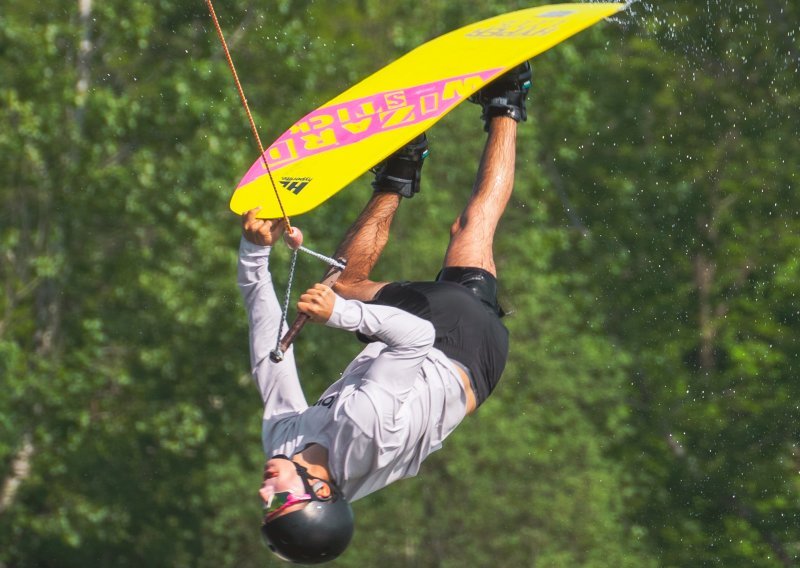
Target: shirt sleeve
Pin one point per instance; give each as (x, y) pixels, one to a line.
(408, 340)
(278, 383)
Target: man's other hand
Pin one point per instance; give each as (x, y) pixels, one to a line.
(317, 303)
(262, 232)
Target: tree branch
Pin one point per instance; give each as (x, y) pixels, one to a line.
(20, 470)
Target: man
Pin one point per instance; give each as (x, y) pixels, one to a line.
(436, 349)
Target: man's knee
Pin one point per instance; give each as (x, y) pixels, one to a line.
(455, 228)
(458, 226)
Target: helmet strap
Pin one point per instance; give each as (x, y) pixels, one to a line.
(311, 489)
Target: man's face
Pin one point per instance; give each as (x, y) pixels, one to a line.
(280, 475)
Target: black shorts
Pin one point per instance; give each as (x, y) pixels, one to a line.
(462, 306)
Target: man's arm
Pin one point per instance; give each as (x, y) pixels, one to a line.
(408, 338)
(401, 331)
(278, 383)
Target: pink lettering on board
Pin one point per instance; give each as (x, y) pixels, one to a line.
(353, 121)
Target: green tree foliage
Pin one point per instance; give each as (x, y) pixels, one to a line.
(647, 415)
(688, 208)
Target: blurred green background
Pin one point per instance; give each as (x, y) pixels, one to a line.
(648, 415)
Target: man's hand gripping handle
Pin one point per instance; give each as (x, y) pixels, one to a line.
(328, 279)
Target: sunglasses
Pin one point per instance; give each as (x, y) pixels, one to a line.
(279, 501)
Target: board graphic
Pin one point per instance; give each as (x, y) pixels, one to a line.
(334, 144)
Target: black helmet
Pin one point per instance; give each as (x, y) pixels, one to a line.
(319, 532)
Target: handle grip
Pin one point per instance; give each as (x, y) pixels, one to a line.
(293, 332)
(328, 279)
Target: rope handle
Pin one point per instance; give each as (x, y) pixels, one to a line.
(328, 279)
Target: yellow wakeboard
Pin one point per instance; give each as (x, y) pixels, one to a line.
(334, 144)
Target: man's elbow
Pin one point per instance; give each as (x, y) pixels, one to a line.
(423, 337)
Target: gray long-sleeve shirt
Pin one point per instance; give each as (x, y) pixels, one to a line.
(392, 407)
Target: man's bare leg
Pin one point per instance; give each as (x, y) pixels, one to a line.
(472, 233)
(362, 246)
(396, 177)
